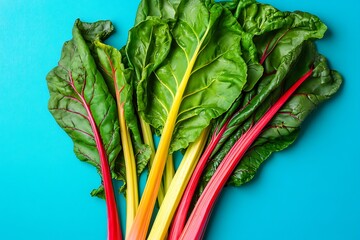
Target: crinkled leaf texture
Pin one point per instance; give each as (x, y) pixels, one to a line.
(76, 84)
(97, 31)
(245, 106)
(148, 45)
(284, 128)
(276, 37)
(283, 31)
(275, 32)
(206, 52)
(165, 9)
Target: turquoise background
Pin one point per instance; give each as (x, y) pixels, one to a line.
(309, 191)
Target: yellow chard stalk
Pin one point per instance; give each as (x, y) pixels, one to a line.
(169, 172)
(148, 139)
(177, 187)
(143, 216)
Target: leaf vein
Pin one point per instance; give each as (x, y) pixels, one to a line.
(162, 83)
(81, 131)
(199, 90)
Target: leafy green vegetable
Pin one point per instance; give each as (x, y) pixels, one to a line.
(148, 45)
(277, 37)
(283, 129)
(97, 31)
(271, 31)
(244, 107)
(206, 53)
(115, 74)
(255, 69)
(165, 9)
(82, 105)
(76, 76)
(102, 57)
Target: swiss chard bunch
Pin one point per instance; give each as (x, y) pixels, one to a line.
(226, 83)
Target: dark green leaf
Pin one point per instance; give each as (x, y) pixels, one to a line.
(165, 9)
(284, 127)
(274, 33)
(109, 58)
(243, 108)
(76, 84)
(206, 51)
(99, 30)
(148, 45)
(279, 35)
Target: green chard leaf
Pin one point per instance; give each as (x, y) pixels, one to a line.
(254, 69)
(115, 74)
(271, 34)
(245, 106)
(113, 64)
(91, 32)
(205, 52)
(284, 127)
(165, 9)
(277, 37)
(80, 100)
(258, 18)
(148, 45)
(249, 52)
(231, 5)
(277, 33)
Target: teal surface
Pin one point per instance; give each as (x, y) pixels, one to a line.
(309, 191)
